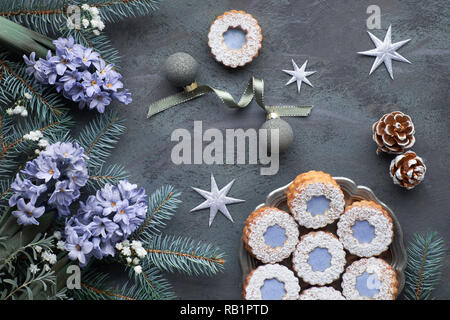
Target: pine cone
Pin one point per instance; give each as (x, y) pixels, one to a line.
(394, 133)
(407, 170)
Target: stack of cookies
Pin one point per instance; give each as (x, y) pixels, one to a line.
(321, 249)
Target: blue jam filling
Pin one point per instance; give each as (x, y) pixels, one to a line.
(235, 38)
(363, 231)
(317, 205)
(272, 289)
(275, 236)
(368, 284)
(319, 259)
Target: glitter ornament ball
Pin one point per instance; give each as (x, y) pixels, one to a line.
(285, 132)
(181, 69)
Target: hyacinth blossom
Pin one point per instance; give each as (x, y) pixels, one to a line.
(80, 74)
(50, 181)
(105, 219)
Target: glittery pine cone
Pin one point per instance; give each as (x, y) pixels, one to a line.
(394, 133)
(407, 170)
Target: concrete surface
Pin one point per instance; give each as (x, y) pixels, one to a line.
(336, 138)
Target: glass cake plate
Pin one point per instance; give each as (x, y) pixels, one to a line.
(395, 255)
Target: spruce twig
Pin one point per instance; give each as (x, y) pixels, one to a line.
(424, 267)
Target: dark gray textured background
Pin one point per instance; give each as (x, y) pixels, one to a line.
(336, 138)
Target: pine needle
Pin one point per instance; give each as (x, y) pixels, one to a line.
(424, 267)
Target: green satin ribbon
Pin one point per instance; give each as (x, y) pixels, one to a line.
(255, 89)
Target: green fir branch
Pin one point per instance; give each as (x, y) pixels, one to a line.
(101, 44)
(100, 176)
(93, 287)
(424, 267)
(48, 16)
(162, 205)
(170, 253)
(99, 137)
(153, 284)
(5, 194)
(13, 146)
(45, 102)
(42, 16)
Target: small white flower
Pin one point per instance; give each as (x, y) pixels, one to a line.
(138, 269)
(126, 251)
(119, 246)
(96, 32)
(94, 23)
(94, 11)
(43, 144)
(100, 25)
(24, 113)
(141, 252)
(37, 151)
(128, 260)
(34, 269)
(85, 23)
(136, 244)
(60, 245)
(49, 257)
(33, 135)
(136, 261)
(85, 6)
(38, 249)
(125, 243)
(28, 96)
(56, 234)
(52, 259)
(47, 267)
(10, 111)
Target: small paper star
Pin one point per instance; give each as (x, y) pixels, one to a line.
(299, 75)
(216, 200)
(385, 52)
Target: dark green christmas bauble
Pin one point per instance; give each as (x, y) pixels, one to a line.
(181, 69)
(285, 133)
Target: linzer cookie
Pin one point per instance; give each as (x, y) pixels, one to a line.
(315, 199)
(321, 293)
(270, 234)
(271, 282)
(365, 229)
(235, 38)
(319, 258)
(370, 279)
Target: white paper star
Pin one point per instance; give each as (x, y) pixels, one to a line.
(385, 52)
(299, 75)
(216, 200)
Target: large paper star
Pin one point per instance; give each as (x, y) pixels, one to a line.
(216, 200)
(385, 52)
(299, 75)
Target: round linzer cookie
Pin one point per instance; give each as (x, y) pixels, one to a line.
(271, 282)
(319, 258)
(315, 199)
(370, 279)
(321, 293)
(235, 38)
(365, 229)
(270, 234)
